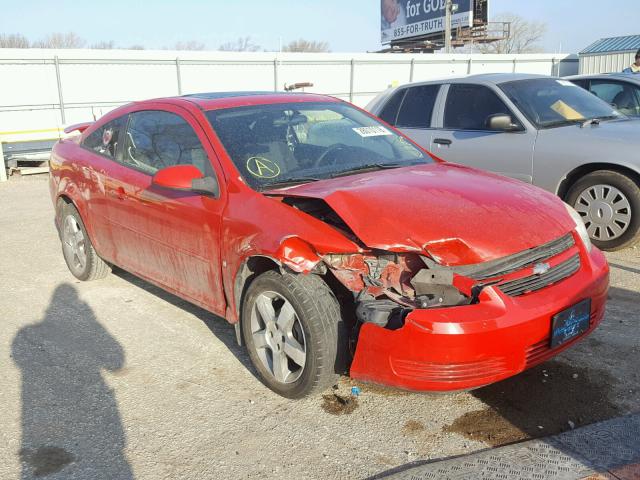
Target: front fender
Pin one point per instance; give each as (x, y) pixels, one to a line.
(625, 167)
(293, 253)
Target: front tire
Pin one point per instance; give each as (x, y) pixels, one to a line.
(290, 327)
(609, 203)
(79, 254)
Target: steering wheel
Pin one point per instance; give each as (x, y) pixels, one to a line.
(329, 151)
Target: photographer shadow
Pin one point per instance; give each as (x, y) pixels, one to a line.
(70, 418)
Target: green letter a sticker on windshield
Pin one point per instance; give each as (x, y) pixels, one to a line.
(262, 167)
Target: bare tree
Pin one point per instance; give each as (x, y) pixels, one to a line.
(243, 44)
(523, 36)
(60, 40)
(302, 45)
(110, 45)
(190, 45)
(13, 40)
(136, 46)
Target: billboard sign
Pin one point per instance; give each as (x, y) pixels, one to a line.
(401, 19)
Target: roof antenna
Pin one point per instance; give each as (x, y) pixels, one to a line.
(296, 86)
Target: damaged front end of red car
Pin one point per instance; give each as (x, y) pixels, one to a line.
(423, 326)
(387, 283)
(443, 313)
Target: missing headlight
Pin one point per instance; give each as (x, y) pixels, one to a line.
(388, 285)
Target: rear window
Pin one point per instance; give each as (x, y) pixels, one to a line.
(104, 140)
(417, 107)
(390, 111)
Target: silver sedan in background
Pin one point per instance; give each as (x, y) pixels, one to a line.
(538, 129)
(620, 90)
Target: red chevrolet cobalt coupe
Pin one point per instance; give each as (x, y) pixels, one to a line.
(331, 242)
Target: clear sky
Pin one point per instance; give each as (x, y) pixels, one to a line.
(348, 25)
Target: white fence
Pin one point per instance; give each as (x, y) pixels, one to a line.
(42, 90)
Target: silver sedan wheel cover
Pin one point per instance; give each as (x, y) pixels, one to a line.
(74, 244)
(278, 337)
(606, 211)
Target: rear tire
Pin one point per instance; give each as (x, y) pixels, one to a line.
(609, 203)
(79, 254)
(290, 327)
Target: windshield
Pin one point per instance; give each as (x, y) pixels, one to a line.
(549, 102)
(283, 144)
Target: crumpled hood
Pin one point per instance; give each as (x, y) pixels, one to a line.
(456, 214)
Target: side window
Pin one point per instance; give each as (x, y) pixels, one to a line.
(157, 139)
(417, 106)
(604, 90)
(469, 107)
(390, 111)
(580, 83)
(622, 96)
(105, 139)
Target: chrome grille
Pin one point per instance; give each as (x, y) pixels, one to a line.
(518, 261)
(532, 283)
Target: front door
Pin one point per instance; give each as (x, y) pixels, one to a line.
(169, 237)
(463, 134)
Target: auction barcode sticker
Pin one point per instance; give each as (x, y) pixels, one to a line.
(374, 131)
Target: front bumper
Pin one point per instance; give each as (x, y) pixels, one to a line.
(464, 347)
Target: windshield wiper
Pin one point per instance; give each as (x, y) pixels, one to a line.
(286, 182)
(559, 123)
(597, 120)
(583, 122)
(590, 121)
(608, 117)
(370, 166)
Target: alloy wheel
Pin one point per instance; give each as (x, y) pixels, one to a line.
(278, 337)
(74, 244)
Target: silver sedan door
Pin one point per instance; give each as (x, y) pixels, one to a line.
(464, 133)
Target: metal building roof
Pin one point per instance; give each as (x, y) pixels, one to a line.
(630, 43)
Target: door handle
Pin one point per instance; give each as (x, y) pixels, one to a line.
(442, 141)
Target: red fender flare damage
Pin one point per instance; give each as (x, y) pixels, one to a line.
(294, 253)
(298, 255)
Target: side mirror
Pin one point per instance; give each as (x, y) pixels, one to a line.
(187, 178)
(502, 122)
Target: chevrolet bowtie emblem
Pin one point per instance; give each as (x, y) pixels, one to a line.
(540, 268)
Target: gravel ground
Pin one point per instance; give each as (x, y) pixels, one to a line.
(117, 379)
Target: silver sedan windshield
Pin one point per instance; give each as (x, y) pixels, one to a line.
(549, 102)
